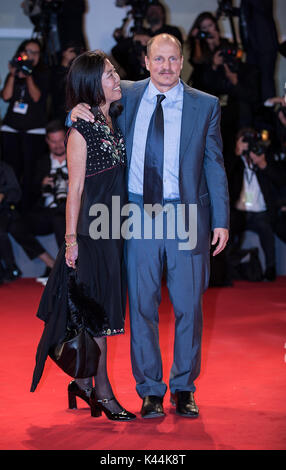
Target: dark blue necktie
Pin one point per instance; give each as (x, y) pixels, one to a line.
(154, 157)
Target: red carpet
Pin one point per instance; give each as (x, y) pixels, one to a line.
(240, 392)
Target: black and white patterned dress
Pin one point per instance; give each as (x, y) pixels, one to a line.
(99, 290)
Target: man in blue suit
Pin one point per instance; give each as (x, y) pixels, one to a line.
(192, 173)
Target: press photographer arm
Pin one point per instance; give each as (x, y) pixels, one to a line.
(8, 90)
(33, 90)
(258, 160)
(261, 160)
(242, 148)
(48, 181)
(196, 51)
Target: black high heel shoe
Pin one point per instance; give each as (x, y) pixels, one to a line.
(75, 391)
(97, 407)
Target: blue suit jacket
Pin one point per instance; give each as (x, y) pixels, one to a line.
(202, 178)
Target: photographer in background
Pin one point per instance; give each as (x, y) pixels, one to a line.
(130, 52)
(58, 80)
(23, 130)
(56, 22)
(156, 19)
(219, 70)
(11, 222)
(51, 186)
(204, 37)
(252, 186)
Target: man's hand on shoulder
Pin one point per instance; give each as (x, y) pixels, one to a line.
(220, 235)
(82, 111)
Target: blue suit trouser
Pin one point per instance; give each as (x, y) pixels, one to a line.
(187, 278)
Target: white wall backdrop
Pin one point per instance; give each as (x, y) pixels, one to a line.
(103, 17)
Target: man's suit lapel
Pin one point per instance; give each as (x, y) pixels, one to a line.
(131, 112)
(189, 116)
(189, 119)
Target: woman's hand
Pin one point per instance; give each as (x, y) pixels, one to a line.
(217, 59)
(240, 146)
(71, 256)
(48, 181)
(258, 160)
(82, 110)
(194, 32)
(12, 70)
(232, 76)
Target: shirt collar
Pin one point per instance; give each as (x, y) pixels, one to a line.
(171, 95)
(56, 164)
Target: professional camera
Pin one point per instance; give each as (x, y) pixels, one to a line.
(231, 55)
(139, 9)
(53, 5)
(36, 8)
(257, 142)
(22, 64)
(203, 35)
(60, 188)
(226, 8)
(44, 15)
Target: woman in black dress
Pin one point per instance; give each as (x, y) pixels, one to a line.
(23, 128)
(96, 167)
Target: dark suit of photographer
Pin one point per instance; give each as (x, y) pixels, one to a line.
(13, 223)
(58, 80)
(130, 53)
(50, 187)
(259, 38)
(252, 181)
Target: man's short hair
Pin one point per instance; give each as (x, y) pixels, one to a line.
(169, 36)
(55, 126)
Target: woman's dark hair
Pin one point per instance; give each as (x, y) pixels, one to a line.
(23, 46)
(206, 52)
(205, 15)
(84, 81)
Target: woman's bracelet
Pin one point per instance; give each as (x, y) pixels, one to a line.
(68, 245)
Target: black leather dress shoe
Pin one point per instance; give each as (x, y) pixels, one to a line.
(152, 407)
(185, 404)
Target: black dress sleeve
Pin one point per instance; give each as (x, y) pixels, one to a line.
(82, 127)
